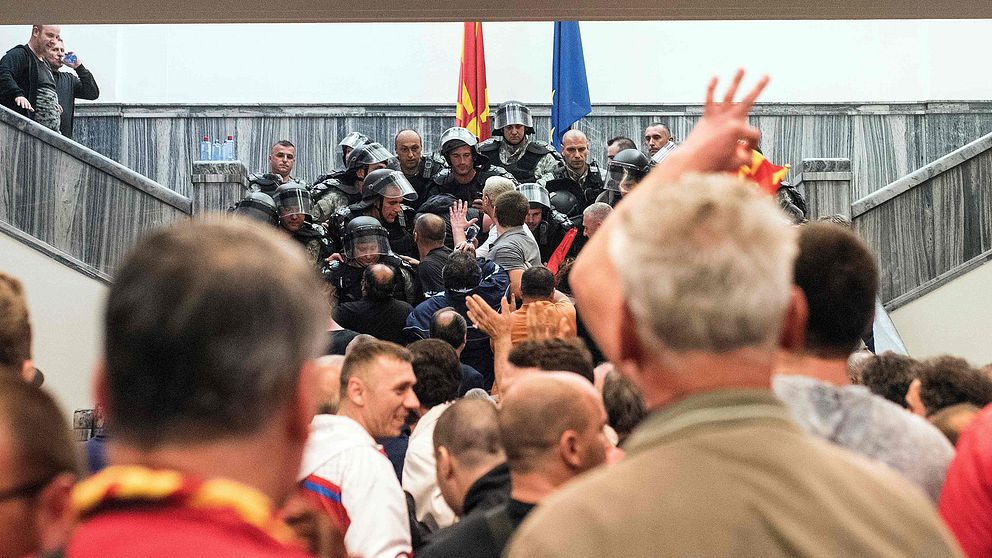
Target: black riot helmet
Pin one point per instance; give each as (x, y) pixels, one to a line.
(535, 194)
(626, 170)
(512, 112)
(388, 183)
(259, 207)
(292, 199)
(352, 141)
(371, 154)
(566, 203)
(365, 241)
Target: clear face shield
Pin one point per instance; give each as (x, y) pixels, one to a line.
(366, 246)
(395, 185)
(293, 202)
(535, 193)
(621, 178)
(258, 211)
(513, 114)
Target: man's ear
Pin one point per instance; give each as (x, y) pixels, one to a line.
(303, 406)
(792, 338)
(356, 391)
(629, 346)
(568, 448)
(445, 468)
(27, 371)
(53, 512)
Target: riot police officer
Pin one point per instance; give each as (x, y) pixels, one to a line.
(623, 173)
(342, 188)
(349, 143)
(365, 243)
(548, 226)
(293, 203)
(467, 170)
(258, 206)
(418, 167)
(525, 158)
(282, 159)
(576, 175)
(383, 194)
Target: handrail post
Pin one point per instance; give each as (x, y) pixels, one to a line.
(827, 185)
(217, 185)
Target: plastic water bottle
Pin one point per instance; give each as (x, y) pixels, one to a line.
(229, 148)
(217, 153)
(205, 149)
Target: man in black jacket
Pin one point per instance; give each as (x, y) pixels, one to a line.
(70, 87)
(24, 74)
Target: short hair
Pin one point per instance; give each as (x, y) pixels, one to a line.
(598, 211)
(947, 380)
(449, 326)
(497, 186)
(469, 429)
(378, 282)
(705, 265)
(839, 277)
(662, 124)
(534, 414)
(624, 403)
(360, 358)
(40, 439)
(856, 364)
(554, 355)
(429, 228)
(461, 272)
(889, 375)
(511, 209)
(438, 372)
(208, 323)
(15, 326)
(537, 282)
(283, 143)
(623, 142)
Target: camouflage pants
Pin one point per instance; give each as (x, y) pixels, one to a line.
(46, 109)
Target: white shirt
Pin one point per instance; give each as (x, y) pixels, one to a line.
(346, 472)
(420, 473)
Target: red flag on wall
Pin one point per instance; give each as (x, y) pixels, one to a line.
(472, 111)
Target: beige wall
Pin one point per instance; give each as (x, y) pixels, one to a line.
(66, 309)
(951, 319)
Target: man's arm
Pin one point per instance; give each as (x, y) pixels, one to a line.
(720, 142)
(371, 493)
(498, 326)
(9, 66)
(86, 87)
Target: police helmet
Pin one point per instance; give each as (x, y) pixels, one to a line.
(388, 183)
(368, 154)
(456, 137)
(535, 194)
(512, 112)
(363, 237)
(259, 207)
(352, 141)
(626, 170)
(566, 203)
(292, 199)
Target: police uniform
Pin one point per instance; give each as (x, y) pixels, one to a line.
(525, 161)
(314, 239)
(332, 192)
(347, 280)
(550, 232)
(445, 183)
(267, 182)
(399, 232)
(585, 188)
(430, 166)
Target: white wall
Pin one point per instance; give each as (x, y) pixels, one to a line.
(66, 311)
(950, 320)
(635, 62)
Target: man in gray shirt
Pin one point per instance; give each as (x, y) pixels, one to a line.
(515, 250)
(837, 275)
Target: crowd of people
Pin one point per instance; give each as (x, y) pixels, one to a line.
(33, 84)
(500, 350)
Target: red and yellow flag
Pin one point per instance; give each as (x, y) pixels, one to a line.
(762, 172)
(472, 111)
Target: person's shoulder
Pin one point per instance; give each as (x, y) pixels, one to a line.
(490, 144)
(540, 147)
(467, 538)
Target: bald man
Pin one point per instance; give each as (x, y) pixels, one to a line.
(329, 383)
(418, 168)
(551, 426)
(579, 180)
(429, 231)
(343, 471)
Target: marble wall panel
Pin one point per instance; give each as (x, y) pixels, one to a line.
(947, 131)
(886, 147)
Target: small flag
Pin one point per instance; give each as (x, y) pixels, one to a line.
(569, 87)
(762, 172)
(472, 111)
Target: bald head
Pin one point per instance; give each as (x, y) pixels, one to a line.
(575, 150)
(328, 383)
(469, 429)
(378, 281)
(429, 230)
(541, 412)
(409, 148)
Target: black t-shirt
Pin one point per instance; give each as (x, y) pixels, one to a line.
(45, 77)
(483, 534)
(383, 319)
(429, 276)
(337, 341)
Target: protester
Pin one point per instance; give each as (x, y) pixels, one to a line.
(15, 330)
(890, 375)
(429, 234)
(514, 250)
(450, 326)
(944, 381)
(965, 503)
(377, 314)
(68, 86)
(27, 85)
(537, 288)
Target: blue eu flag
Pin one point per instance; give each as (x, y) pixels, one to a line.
(569, 87)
